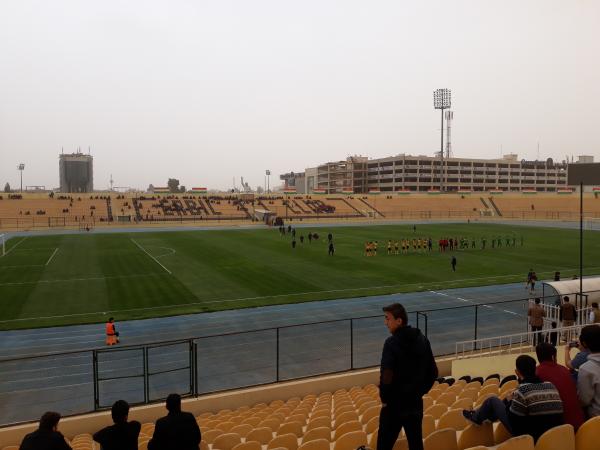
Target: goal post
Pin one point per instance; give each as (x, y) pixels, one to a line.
(591, 223)
(2, 244)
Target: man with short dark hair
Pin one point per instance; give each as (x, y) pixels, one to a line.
(536, 314)
(567, 315)
(408, 371)
(588, 380)
(123, 435)
(177, 430)
(47, 436)
(560, 377)
(533, 408)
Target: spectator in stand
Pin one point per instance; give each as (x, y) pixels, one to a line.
(567, 315)
(595, 313)
(536, 314)
(533, 408)
(47, 436)
(588, 381)
(177, 430)
(407, 372)
(123, 435)
(580, 358)
(560, 377)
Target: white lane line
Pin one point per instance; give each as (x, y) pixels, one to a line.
(22, 265)
(473, 303)
(15, 246)
(155, 260)
(52, 256)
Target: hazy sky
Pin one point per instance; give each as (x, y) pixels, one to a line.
(207, 90)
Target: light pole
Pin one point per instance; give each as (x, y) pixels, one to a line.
(268, 174)
(442, 100)
(21, 168)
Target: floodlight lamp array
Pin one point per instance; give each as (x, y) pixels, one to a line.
(442, 98)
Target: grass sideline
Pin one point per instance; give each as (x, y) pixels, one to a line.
(73, 279)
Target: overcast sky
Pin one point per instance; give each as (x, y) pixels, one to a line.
(205, 91)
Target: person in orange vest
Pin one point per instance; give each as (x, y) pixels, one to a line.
(112, 336)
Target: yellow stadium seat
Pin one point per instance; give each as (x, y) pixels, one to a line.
(291, 427)
(501, 434)
(446, 398)
(401, 444)
(296, 418)
(489, 389)
(453, 418)
(561, 437)
(369, 414)
(254, 421)
(372, 425)
(441, 440)
(524, 442)
(462, 403)
(481, 399)
(273, 424)
(321, 412)
(471, 394)
(318, 422)
(427, 402)
(203, 445)
(478, 447)
(242, 429)
(491, 381)
(436, 410)
(428, 425)
(509, 386)
(373, 439)
(249, 445)
(349, 416)
(346, 427)
(317, 433)
(351, 440)
(288, 441)
(474, 435)
(261, 434)
(316, 444)
(225, 426)
(587, 435)
(210, 435)
(226, 441)
(434, 393)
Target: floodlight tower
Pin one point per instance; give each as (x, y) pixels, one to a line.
(21, 168)
(449, 118)
(442, 101)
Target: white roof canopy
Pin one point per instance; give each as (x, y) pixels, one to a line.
(591, 288)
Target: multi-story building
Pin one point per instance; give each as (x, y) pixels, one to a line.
(426, 173)
(76, 172)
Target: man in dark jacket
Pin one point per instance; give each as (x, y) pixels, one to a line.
(408, 371)
(177, 430)
(123, 435)
(47, 436)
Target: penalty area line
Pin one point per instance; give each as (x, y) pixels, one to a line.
(155, 260)
(15, 246)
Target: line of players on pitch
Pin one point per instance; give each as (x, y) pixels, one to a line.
(421, 244)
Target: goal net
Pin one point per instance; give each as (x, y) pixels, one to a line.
(2, 244)
(591, 223)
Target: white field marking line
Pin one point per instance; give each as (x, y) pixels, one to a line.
(470, 301)
(171, 252)
(52, 256)
(14, 246)
(155, 260)
(44, 388)
(150, 308)
(23, 265)
(78, 279)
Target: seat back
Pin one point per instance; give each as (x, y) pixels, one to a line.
(226, 441)
(501, 434)
(351, 440)
(476, 435)
(262, 435)
(346, 427)
(587, 435)
(524, 442)
(452, 418)
(249, 445)
(289, 441)
(441, 440)
(316, 444)
(562, 437)
(317, 433)
(428, 425)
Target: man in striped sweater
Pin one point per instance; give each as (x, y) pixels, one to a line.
(533, 408)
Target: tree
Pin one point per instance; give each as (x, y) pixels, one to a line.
(150, 188)
(173, 184)
(182, 188)
(7, 187)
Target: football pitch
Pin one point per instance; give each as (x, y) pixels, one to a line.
(84, 278)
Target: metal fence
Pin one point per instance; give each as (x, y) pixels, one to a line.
(84, 381)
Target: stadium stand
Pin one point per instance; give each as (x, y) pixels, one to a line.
(348, 418)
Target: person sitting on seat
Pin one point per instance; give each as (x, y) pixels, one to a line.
(47, 436)
(588, 381)
(177, 429)
(123, 435)
(533, 408)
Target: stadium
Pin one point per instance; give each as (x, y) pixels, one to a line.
(440, 293)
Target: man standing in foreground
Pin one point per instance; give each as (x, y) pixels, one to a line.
(408, 371)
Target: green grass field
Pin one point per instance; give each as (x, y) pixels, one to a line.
(68, 279)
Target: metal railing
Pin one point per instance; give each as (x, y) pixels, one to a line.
(92, 379)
